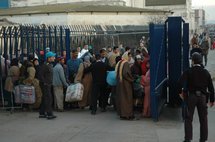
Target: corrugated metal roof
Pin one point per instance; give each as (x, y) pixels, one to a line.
(165, 2)
(73, 7)
(76, 30)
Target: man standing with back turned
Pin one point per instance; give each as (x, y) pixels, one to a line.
(197, 90)
(46, 75)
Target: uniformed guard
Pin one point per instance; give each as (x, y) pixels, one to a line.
(197, 90)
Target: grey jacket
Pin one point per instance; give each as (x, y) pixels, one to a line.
(59, 78)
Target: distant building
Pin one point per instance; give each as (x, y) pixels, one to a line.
(177, 7)
(81, 14)
(200, 17)
(181, 8)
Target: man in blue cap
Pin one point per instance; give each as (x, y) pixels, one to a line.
(46, 80)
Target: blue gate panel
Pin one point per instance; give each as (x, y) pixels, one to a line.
(174, 56)
(157, 67)
(185, 46)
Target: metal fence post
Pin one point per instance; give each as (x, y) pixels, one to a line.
(67, 44)
(21, 43)
(16, 41)
(61, 40)
(5, 48)
(32, 40)
(27, 40)
(10, 43)
(50, 39)
(38, 40)
(44, 42)
(55, 37)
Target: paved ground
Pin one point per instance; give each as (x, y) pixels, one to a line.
(80, 126)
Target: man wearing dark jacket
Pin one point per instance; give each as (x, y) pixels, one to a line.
(195, 83)
(99, 74)
(46, 81)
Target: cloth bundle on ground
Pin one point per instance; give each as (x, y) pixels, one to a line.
(74, 92)
(111, 78)
(24, 94)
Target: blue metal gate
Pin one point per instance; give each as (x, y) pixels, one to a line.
(169, 51)
(178, 55)
(158, 68)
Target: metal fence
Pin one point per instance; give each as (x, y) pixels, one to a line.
(34, 38)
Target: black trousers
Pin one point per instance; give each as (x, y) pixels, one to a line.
(199, 102)
(205, 56)
(47, 99)
(98, 93)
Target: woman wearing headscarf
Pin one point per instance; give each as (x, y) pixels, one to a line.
(30, 79)
(86, 80)
(124, 89)
(138, 89)
(146, 83)
(11, 80)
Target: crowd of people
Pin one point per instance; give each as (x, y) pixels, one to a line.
(202, 43)
(51, 77)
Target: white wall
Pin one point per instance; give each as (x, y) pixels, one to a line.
(59, 19)
(109, 19)
(21, 3)
(139, 3)
(84, 19)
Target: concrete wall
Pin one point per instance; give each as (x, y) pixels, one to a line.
(21, 3)
(139, 3)
(84, 18)
(135, 3)
(59, 19)
(108, 19)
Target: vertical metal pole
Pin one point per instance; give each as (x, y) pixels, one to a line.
(27, 40)
(32, 40)
(10, 44)
(38, 40)
(50, 39)
(1, 79)
(44, 42)
(67, 44)
(21, 43)
(1, 69)
(5, 49)
(16, 41)
(61, 40)
(55, 37)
